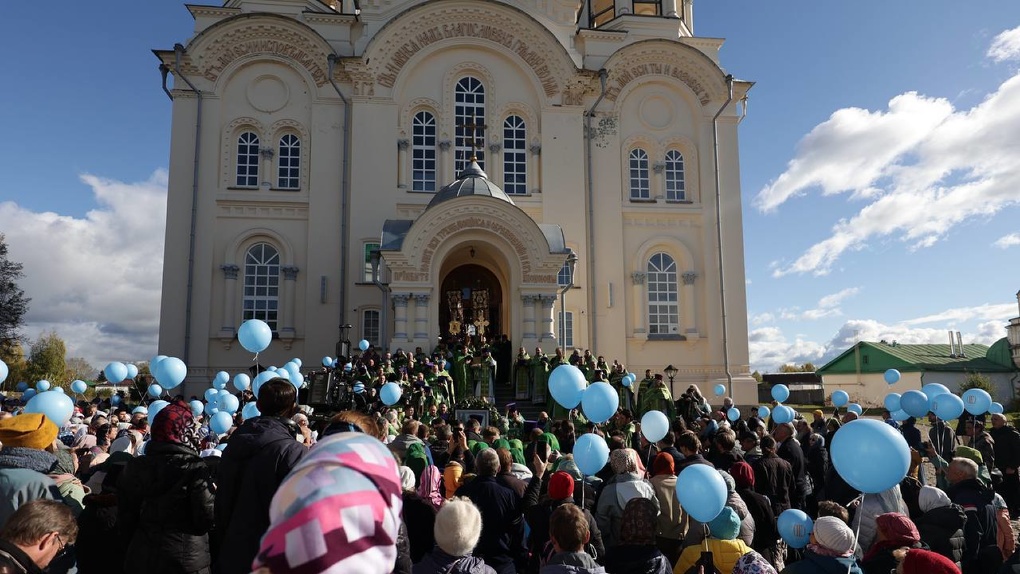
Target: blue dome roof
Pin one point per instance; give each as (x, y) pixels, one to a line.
(472, 181)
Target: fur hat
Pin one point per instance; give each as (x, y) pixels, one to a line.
(561, 485)
(30, 430)
(458, 526)
(832, 533)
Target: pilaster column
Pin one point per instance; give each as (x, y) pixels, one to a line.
(548, 303)
(228, 320)
(290, 273)
(638, 278)
(657, 184)
(400, 316)
(444, 162)
(688, 322)
(528, 302)
(421, 315)
(402, 145)
(266, 167)
(535, 168)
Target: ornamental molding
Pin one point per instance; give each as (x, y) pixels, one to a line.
(434, 24)
(230, 270)
(665, 60)
(638, 277)
(688, 277)
(246, 210)
(263, 36)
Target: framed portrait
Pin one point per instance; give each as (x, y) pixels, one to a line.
(463, 415)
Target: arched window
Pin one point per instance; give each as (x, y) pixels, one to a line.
(675, 188)
(639, 174)
(515, 159)
(289, 170)
(423, 152)
(469, 116)
(663, 300)
(262, 284)
(248, 160)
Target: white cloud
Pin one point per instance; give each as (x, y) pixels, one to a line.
(833, 300)
(1006, 46)
(95, 280)
(989, 311)
(761, 319)
(769, 349)
(922, 167)
(1007, 241)
(828, 306)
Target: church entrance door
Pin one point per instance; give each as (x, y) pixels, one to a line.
(470, 303)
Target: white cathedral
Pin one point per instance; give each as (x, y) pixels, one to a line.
(564, 172)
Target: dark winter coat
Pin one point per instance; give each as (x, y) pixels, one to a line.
(101, 545)
(774, 478)
(791, 452)
(631, 559)
(765, 530)
(981, 529)
(261, 453)
(439, 562)
(13, 560)
(813, 563)
(1007, 447)
(538, 521)
(942, 530)
(165, 503)
(502, 541)
(420, 518)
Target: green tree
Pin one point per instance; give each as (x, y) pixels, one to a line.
(13, 303)
(47, 360)
(756, 376)
(14, 356)
(977, 381)
(77, 368)
(808, 367)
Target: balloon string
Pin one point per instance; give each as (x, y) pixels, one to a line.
(857, 533)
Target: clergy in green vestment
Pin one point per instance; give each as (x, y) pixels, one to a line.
(460, 375)
(556, 412)
(483, 369)
(643, 385)
(522, 375)
(656, 397)
(539, 366)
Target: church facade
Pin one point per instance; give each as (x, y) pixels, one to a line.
(562, 172)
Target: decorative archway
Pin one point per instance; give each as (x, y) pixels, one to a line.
(471, 302)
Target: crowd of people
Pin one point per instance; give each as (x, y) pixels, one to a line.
(413, 488)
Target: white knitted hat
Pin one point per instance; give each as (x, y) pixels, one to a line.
(458, 526)
(834, 534)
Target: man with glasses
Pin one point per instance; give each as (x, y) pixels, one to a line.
(35, 535)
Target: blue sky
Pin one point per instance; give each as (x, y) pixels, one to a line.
(879, 168)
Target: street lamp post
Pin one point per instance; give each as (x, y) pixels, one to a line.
(670, 372)
(343, 346)
(376, 257)
(571, 265)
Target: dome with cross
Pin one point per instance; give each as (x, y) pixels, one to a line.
(471, 181)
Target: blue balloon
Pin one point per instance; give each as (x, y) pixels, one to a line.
(211, 395)
(654, 425)
(296, 361)
(4, 371)
(42, 386)
(154, 408)
(115, 372)
(870, 455)
(914, 403)
(282, 374)
(260, 379)
(599, 402)
(242, 382)
(996, 409)
(359, 387)
(271, 368)
(221, 380)
(56, 407)
(140, 410)
(892, 402)
(892, 376)
(221, 422)
(292, 368)
(327, 362)
(210, 409)
(390, 393)
(590, 453)
(27, 395)
(132, 370)
(934, 389)
(197, 407)
(250, 411)
(22, 387)
(115, 400)
(627, 381)
(779, 393)
(899, 415)
(946, 406)
(348, 367)
(976, 401)
(701, 491)
(763, 412)
(222, 446)
(733, 414)
(840, 399)
(856, 409)
(783, 414)
(79, 386)
(567, 384)
(795, 527)
(254, 335)
(228, 404)
(719, 389)
(171, 372)
(58, 390)
(155, 390)
(363, 345)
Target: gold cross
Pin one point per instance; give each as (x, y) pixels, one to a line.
(469, 129)
(481, 324)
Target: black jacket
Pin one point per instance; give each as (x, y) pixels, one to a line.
(420, 519)
(631, 559)
(773, 477)
(942, 530)
(981, 530)
(502, 539)
(538, 521)
(1007, 447)
(260, 454)
(791, 452)
(165, 503)
(13, 560)
(765, 530)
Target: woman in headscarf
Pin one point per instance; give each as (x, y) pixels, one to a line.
(451, 478)
(165, 499)
(830, 550)
(941, 523)
(893, 531)
(346, 489)
(671, 526)
(918, 561)
(637, 552)
(627, 484)
(419, 514)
